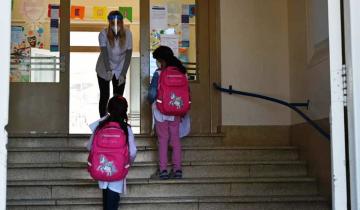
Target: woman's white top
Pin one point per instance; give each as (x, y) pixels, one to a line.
(116, 186)
(116, 53)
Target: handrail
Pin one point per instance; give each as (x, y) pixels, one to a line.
(291, 106)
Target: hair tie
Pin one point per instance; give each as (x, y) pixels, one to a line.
(120, 97)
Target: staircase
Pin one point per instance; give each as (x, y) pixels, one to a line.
(50, 173)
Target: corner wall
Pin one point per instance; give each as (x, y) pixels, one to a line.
(254, 58)
(277, 48)
(310, 79)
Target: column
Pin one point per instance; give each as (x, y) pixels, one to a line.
(5, 11)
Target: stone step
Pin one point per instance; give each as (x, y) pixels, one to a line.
(70, 189)
(32, 171)
(66, 155)
(182, 203)
(81, 140)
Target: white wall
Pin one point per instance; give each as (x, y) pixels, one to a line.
(255, 58)
(309, 57)
(4, 94)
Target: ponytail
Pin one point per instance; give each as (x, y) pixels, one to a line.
(174, 61)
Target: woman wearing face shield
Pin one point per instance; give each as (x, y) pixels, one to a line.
(115, 56)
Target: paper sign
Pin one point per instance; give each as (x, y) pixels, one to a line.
(54, 41)
(100, 13)
(158, 18)
(171, 41)
(54, 28)
(185, 9)
(77, 12)
(126, 12)
(54, 11)
(17, 35)
(185, 32)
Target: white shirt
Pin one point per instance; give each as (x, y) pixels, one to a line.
(116, 53)
(160, 117)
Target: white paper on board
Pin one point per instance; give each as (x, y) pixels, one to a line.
(158, 18)
(171, 41)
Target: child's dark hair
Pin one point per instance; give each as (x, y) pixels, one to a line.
(165, 53)
(117, 109)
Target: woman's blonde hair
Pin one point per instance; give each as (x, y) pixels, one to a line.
(122, 32)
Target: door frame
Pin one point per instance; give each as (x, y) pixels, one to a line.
(352, 57)
(338, 157)
(208, 59)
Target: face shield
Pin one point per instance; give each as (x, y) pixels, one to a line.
(115, 27)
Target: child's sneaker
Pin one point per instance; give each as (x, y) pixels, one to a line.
(178, 174)
(164, 175)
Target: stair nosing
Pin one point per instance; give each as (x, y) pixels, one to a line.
(75, 136)
(158, 200)
(145, 148)
(154, 163)
(170, 181)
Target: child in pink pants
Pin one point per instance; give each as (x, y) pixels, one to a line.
(168, 133)
(167, 127)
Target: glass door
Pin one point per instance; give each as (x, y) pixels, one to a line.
(39, 67)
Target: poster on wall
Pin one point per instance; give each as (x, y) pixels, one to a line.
(54, 28)
(185, 32)
(100, 13)
(174, 13)
(185, 28)
(34, 37)
(17, 37)
(20, 56)
(158, 18)
(183, 54)
(77, 12)
(171, 41)
(20, 66)
(127, 13)
(154, 39)
(34, 11)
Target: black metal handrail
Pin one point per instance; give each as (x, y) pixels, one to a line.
(292, 106)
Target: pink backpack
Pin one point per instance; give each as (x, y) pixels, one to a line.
(173, 97)
(109, 156)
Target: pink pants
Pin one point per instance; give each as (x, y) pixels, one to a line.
(168, 132)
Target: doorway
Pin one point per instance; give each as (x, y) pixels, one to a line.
(85, 26)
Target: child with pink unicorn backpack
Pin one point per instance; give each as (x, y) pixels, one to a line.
(170, 98)
(112, 152)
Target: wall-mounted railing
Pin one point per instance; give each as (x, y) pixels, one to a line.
(292, 106)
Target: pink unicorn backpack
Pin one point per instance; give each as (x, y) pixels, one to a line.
(173, 95)
(109, 158)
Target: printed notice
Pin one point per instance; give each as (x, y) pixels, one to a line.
(158, 18)
(171, 41)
